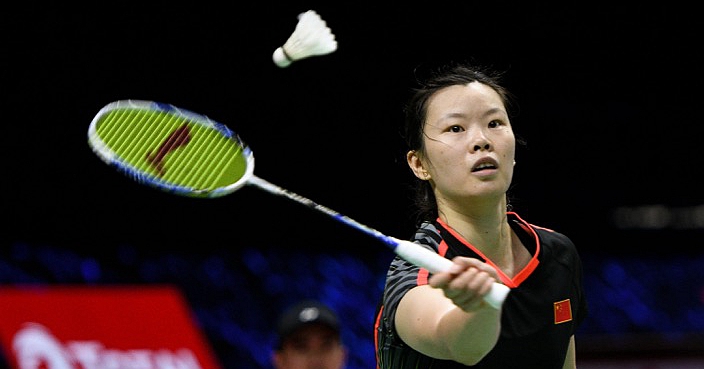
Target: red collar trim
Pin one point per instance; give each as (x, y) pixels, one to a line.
(524, 273)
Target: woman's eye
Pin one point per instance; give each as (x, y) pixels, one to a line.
(456, 129)
(494, 124)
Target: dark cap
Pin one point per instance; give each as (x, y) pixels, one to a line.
(305, 313)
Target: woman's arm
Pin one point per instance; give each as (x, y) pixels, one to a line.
(448, 319)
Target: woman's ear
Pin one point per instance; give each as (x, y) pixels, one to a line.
(416, 165)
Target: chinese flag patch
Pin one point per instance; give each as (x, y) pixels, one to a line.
(563, 311)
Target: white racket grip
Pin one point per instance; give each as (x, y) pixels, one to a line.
(435, 263)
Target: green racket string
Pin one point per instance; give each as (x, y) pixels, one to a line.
(197, 155)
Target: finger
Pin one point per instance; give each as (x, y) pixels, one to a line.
(440, 280)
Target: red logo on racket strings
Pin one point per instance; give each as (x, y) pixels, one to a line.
(563, 311)
(179, 137)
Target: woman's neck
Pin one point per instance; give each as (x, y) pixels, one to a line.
(486, 227)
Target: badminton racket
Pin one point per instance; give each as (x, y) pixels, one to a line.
(188, 154)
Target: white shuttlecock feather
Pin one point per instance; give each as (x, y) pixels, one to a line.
(311, 37)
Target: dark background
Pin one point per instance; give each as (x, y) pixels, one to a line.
(608, 100)
(609, 105)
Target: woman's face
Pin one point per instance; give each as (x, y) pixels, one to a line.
(469, 144)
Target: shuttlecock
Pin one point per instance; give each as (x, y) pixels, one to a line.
(311, 37)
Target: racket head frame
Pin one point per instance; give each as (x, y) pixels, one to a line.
(127, 166)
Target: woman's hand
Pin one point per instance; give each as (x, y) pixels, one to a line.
(466, 282)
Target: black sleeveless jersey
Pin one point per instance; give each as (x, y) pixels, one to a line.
(543, 310)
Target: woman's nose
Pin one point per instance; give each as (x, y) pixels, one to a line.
(479, 140)
(485, 146)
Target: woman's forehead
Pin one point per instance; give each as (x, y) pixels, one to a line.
(464, 99)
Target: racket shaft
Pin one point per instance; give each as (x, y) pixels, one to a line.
(409, 251)
(276, 190)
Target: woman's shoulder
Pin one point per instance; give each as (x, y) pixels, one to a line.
(547, 236)
(428, 233)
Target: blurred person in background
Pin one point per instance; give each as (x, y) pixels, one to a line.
(309, 337)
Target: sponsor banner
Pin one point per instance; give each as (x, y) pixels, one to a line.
(100, 327)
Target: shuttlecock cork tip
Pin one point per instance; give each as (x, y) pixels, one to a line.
(311, 37)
